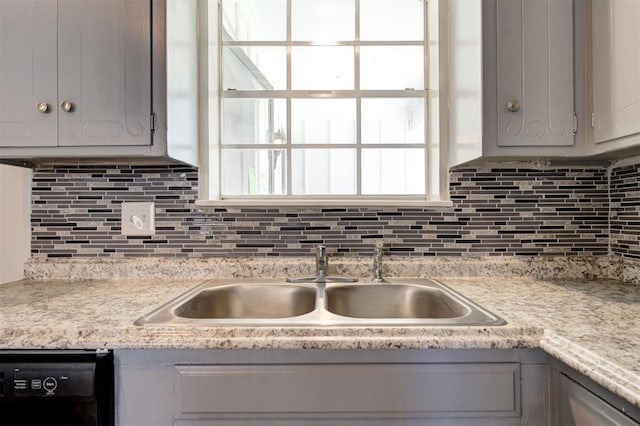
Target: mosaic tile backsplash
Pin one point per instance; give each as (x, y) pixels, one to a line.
(625, 211)
(496, 212)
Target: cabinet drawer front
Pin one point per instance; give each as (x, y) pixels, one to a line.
(441, 390)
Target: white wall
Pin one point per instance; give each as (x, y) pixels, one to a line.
(15, 229)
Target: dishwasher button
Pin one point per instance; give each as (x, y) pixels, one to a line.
(19, 384)
(36, 384)
(49, 384)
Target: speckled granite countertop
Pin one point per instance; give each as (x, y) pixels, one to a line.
(591, 325)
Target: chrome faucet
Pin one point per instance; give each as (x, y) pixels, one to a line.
(322, 267)
(377, 262)
(322, 261)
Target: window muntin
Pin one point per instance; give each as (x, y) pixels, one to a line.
(348, 108)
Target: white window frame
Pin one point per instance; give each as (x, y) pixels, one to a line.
(210, 107)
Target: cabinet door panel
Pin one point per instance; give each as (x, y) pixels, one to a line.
(616, 69)
(535, 68)
(348, 391)
(579, 407)
(104, 53)
(27, 73)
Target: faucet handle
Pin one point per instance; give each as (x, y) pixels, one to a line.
(377, 262)
(322, 267)
(321, 261)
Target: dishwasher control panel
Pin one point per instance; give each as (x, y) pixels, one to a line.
(47, 380)
(57, 387)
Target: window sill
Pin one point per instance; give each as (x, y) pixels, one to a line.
(320, 202)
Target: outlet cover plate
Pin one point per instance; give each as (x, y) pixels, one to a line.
(138, 218)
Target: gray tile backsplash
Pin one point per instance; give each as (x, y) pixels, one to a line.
(497, 211)
(625, 211)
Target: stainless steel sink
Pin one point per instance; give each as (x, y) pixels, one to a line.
(393, 301)
(251, 303)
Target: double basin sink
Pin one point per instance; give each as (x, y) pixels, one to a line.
(274, 302)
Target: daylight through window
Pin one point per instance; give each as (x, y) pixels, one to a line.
(328, 98)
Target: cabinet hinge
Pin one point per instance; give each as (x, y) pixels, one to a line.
(153, 121)
(593, 120)
(575, 123)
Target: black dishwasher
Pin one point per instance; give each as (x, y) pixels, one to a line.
(55, 388)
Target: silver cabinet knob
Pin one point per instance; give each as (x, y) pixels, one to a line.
(67, 106)
(42, 107)
(513, 106)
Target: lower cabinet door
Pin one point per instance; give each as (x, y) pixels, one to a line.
(351, 394)
(577, 406)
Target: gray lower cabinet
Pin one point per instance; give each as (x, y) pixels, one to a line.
(576, 401)
(428, 387)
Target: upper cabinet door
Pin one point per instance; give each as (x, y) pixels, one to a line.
(616, 68)
(28, 73)
(104, 71)
(535, 73)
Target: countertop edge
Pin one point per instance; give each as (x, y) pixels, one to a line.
(611, 376)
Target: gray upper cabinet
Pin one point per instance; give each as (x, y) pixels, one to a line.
(75, 73)
(616, 67)
(535, 73)
(87, 79)
(104, 63)
(28, 74)
(528, 82)
(559, 79)
(531, 97)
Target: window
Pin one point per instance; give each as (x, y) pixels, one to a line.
(325, 100)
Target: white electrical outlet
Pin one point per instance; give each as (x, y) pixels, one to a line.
(138, 218)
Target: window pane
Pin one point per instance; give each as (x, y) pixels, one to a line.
(323, 171)
(391, 20)
(254, 68)
(248, 20)
(394, 120)
(253, 121)
(322, 68)
(322, 20)
(392, 67)
(253, 171)
(393, 171)
(323, 121)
